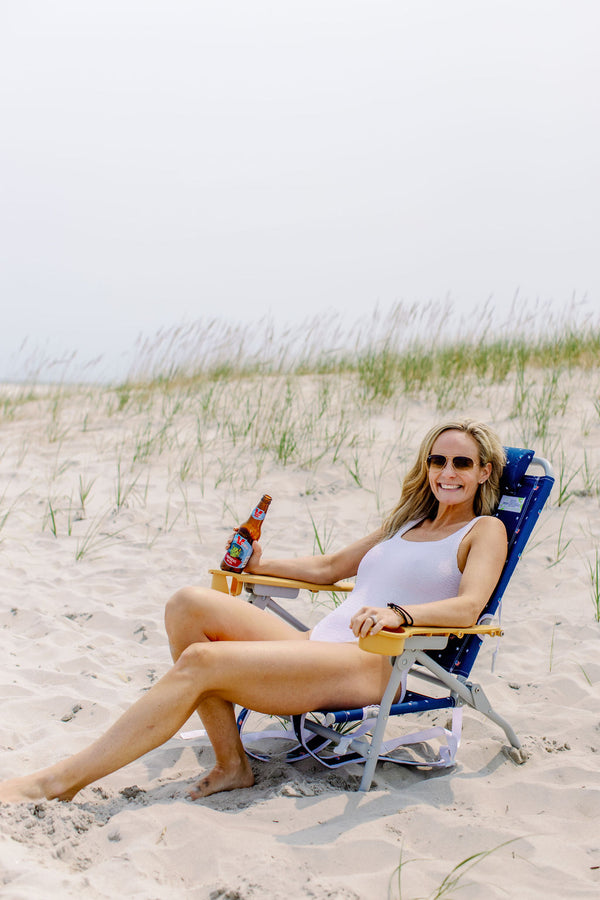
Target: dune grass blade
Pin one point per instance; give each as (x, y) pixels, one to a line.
(5, 513)
(562, 545)
(51, 517)
(95, 539)
(594, 568)
(452, 880)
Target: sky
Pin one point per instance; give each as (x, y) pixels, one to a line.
(168, 161)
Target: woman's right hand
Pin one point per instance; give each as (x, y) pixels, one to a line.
(254, 559)
(254, 562)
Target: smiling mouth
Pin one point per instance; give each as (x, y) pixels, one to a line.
(450, 487)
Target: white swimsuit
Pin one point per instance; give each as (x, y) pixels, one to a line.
(397, 571)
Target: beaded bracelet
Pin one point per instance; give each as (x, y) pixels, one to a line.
(408, 619)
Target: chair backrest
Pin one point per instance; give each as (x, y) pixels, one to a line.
(522, 497)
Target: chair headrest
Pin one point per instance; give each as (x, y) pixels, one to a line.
(517, 463)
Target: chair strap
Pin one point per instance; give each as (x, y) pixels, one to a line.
(354, 746)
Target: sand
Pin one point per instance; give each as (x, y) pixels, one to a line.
(82, 638)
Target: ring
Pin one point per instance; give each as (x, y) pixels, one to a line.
(373, 619)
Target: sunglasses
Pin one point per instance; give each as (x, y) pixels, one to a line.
(437, 461)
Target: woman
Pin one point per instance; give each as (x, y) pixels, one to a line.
(438, 556)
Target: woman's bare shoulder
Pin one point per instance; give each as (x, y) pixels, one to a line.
(489, 528)
(487, 545)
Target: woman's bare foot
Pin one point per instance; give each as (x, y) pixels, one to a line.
(38, 786)
(224, 779)
(20, 790)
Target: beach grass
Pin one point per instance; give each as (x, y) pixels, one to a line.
(594, 569)
(222, 406)
(453, 881)
(409, 350)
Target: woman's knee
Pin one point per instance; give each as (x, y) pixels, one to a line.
(194, 661)
(184, 608)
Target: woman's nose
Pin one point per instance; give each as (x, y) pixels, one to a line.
(450, 466)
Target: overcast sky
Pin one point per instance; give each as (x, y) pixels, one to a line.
(164, 161)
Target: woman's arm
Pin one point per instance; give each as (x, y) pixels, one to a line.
(485, 559)
(325, 569)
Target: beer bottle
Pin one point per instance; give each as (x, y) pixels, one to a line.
(240, 549)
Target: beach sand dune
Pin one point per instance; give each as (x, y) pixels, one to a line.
(105, 512)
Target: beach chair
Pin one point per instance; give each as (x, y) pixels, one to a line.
(439, 658)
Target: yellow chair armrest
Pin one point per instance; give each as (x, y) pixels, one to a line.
(391, 643)
(220, 583)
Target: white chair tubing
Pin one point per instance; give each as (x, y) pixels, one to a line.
(354, 740)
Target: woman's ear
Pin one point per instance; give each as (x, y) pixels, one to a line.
(486, 471)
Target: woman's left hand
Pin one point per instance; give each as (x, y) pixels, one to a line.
(371, 619)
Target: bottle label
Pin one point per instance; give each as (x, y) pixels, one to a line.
(238, 553)
(259, 514)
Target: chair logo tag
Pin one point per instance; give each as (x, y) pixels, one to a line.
(511, 504)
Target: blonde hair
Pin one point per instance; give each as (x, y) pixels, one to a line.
(417, 500)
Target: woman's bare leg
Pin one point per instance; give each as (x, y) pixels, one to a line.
(153, 719)
(197, 615)
(194, 614)
(269, 677)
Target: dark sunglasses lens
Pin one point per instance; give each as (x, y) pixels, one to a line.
(462, 462)
(435, 461)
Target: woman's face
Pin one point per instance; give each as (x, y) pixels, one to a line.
(454, 485)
